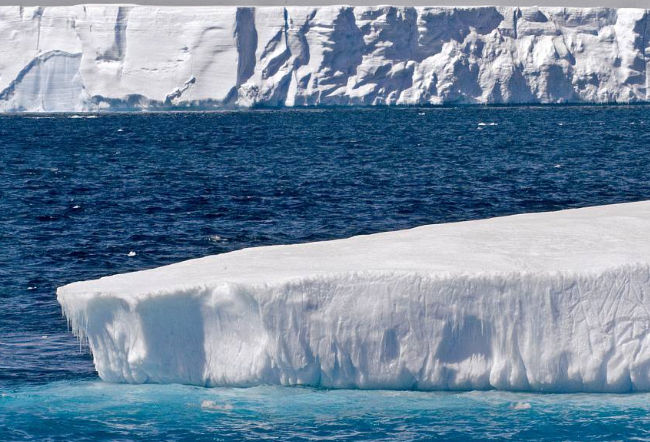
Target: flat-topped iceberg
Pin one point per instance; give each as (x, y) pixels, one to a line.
(127, 57)
(544, 302)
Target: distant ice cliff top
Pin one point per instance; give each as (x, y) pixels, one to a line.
(244, 3)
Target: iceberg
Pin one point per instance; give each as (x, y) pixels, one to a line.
(127, 57)
(552, 302)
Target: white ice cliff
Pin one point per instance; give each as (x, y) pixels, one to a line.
(94, 57)
(544, 302)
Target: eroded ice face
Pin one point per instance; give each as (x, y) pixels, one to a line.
(95, 57)
(545, 302)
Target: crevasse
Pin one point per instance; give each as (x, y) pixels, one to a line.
(95, 57)
(555, 302)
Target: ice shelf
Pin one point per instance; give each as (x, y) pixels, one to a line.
(126, 57)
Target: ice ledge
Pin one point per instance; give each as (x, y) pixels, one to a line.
(541, 302)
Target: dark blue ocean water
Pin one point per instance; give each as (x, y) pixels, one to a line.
(78, 194)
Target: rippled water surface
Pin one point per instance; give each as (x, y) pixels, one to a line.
(95, 411)
(77, 195)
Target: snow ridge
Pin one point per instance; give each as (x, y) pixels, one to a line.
(145, 57)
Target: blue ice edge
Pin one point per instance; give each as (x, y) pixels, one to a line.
(103, 411)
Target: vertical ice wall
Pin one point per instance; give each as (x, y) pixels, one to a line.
(130, 57)
(554, 302)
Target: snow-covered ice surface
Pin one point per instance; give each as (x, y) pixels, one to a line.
(543, 302)
(112, 57)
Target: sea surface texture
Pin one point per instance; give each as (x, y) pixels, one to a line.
(92, 57)
(86, 196)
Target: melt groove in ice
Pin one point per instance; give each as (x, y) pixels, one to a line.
(556, 302)
(112, 57)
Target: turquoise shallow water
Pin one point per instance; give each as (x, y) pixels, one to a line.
(93, 411)
(78, 194)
